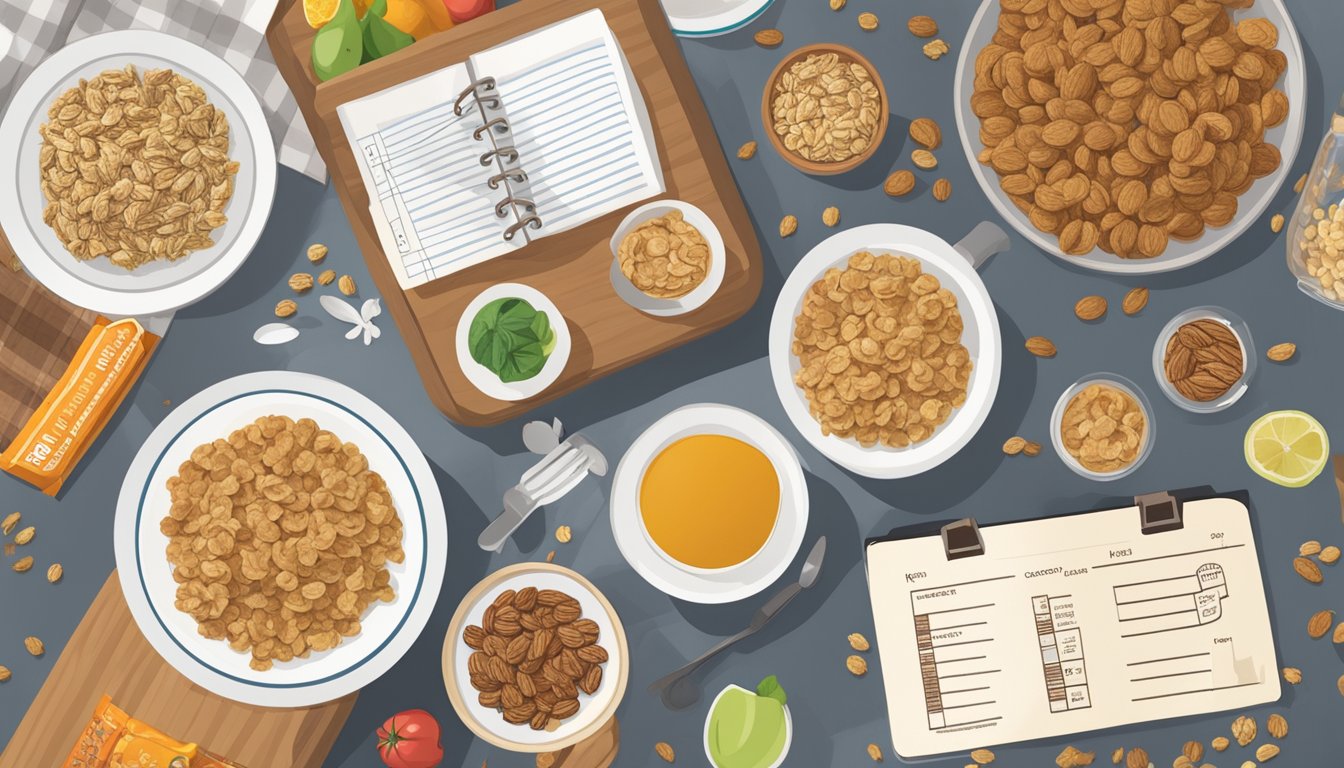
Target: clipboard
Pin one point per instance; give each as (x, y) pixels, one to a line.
(573, 267)
(1079, 622)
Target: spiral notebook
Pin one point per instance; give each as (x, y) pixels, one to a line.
(529, 138)
(1060, 625)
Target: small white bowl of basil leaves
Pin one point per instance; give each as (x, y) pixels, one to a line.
(512, 342)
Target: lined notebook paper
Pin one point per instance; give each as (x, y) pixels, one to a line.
(553, 133)
(1070, 624)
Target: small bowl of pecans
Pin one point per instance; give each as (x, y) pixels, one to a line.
(668, 258)
(1102, 427)
(825, 109)
(1204, 359)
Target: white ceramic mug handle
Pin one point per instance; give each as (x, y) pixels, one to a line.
(982, 242)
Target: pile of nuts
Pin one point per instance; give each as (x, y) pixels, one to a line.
(826, 108)
(664, 257)
(1203, 360)
(1127, 130)
(533, 653)
(1322, 246)
(135, 168)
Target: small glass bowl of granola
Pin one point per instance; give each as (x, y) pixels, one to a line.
(1102, 427)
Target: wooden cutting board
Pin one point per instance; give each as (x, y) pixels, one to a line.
(108, 655)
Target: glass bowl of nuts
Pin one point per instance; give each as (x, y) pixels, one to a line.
(667, 258)
(1204, 359)
(1102, 427)
(825, 109)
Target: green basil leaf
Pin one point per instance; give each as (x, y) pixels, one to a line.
(771, 689)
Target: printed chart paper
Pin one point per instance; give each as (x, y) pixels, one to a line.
(1070, 624)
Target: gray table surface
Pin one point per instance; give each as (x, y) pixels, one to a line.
(835, 714)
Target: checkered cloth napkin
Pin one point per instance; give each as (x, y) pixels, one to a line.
(234, 30)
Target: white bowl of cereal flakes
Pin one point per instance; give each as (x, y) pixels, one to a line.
(1122, 163)
(280, 539)
(885, 347)
(667, 258)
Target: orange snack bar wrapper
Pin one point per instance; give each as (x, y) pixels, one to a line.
(113, 739)
(75, 410)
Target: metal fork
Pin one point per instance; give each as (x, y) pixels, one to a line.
(552, 477)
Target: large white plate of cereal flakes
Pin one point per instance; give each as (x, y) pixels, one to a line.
(280, 539)
(885, 347)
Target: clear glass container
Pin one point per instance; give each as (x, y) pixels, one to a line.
(1123, 384)
(1316, 229)
(1248, 359)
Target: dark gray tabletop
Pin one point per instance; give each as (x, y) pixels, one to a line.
(835, 714)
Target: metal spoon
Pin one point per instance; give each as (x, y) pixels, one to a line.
(680, 691)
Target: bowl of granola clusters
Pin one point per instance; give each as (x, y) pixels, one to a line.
(825, 109)
(138, 172)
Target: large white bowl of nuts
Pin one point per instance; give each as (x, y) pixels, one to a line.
(1143, 142)
(280, 540)
(885, 347)
(138, 172)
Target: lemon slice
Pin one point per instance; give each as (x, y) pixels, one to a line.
(1287, 447)
(319, 12)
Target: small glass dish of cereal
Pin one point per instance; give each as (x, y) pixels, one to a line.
(1102, 427)
(1204, 359)
(667, 258)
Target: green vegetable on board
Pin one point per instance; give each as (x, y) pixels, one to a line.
(511, 338)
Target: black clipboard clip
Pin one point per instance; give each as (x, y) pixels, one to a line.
(1159, 513)
(962, 539)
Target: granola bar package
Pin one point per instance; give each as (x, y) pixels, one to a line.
(99, 738)
(113, 739)
(63, 374)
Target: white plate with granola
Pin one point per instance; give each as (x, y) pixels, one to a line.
(147, 156)
(1160, 227)
(904, 379)
(280, 539)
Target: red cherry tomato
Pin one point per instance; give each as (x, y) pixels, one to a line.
(410, 739)
(462, 10)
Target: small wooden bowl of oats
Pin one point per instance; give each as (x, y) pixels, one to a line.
(825, 109)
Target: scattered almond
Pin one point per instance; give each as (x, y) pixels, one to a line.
(24, 536)
(922, 26)
(1309, 548)
(1281, 352)
(1135, 301)
(926, 132)
(665, 751)
(1338, 637)
(936, 49)
(1292, 675)
(1329, 555)
(1308, 569)
(1318, 625)
(1137, 758)
(1117, 755)
(746, 151)
(545, 759)
(346, 285)
(1014, 445)
(4, 673)
(769, 38)
(1220, 743)
(1276, 223)
(788, 225)
(286, 308)
(1340, 685)
(837, 5)
(1243, 730)
(1266, 752)
(300, 282)
(899, 184)
(1277, 726)
(1090, 308)
(875, 752)
(1032, 448)
(55, 572)
(327, 277)
(858, 642)
(982, 756)
(924, 159)
(564, 534)
(1041, 346)
(1301, 184)
(856, 666)
(1072, 757)
(550, 556)
(11, 520)
(942, 190)
(34, 646)
(831, 216)
(23, 565)
(867, 21)
(316, 253)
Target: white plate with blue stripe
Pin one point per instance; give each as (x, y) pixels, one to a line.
(387, 628)
(708, 18)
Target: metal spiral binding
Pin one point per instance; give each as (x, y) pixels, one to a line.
(486, 84)
(517, 174)
(507, 152)
(503, 123)
(531, 220)
(513, 201)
